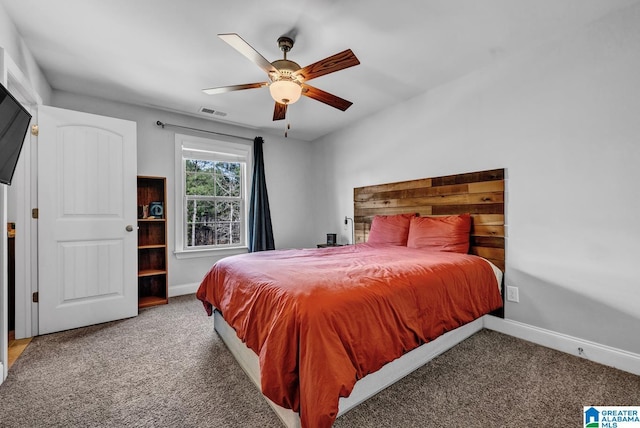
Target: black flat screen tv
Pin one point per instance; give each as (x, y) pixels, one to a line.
(14, 123)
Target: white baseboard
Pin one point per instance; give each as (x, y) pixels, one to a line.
(609, 356)
(182, 289)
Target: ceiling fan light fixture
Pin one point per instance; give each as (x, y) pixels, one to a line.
(285, 91)
(287, 81)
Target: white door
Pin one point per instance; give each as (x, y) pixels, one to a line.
(87, 238)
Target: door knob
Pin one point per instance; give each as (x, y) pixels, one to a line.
(129, 228)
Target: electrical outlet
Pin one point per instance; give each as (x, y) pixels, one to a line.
(512, 294)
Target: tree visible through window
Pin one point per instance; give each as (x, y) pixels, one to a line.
(214, 209)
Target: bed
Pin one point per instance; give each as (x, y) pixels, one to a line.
(320, 330)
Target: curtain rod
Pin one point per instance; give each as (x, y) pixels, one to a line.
(201, 130)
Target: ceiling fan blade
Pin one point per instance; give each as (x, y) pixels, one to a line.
(325, 97)
(239, 44)
(339, 61)
(224, 89)
(279, 111)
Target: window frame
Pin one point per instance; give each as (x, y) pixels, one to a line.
(188, 146)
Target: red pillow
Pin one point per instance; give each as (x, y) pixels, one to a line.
(390, 229)
(448, 233)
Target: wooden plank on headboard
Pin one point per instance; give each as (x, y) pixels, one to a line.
(479, 193)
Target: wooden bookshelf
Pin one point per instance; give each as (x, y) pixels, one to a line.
(152, 242)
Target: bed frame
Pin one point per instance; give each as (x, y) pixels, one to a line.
(366, 387)
(479, 193)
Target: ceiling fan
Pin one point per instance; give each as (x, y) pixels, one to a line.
(287, 80)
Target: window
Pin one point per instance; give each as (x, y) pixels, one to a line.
(211, 189)
(214, 202)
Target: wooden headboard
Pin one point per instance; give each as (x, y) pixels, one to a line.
(479, 193)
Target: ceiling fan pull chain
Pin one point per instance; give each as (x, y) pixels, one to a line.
(288, 127)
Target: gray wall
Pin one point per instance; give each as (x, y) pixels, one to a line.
(563, 120)
(287, 162)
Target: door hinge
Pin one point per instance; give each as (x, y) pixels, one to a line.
(34, 297)
(34, 213)
(35, 130)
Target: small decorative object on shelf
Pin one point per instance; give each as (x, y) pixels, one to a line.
(156, 209)
(143, 211)
(152, 242)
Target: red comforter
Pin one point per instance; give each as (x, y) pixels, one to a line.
(320, 319)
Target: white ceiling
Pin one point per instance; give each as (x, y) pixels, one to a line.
(162, 53)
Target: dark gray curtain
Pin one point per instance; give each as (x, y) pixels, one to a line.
(260, 230)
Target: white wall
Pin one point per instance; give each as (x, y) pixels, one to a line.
(16, 62)
(12, 43)
(287, 162)
(563, 119)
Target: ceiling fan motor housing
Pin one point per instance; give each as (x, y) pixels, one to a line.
(285, 43)
(286, 67)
